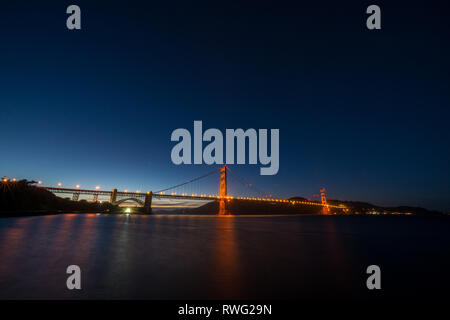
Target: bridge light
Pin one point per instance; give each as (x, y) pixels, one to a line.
(39, 182)
(97, 187)
(125, 190)
(5, 180)
(77, 186)
(14, 180)
(59, 184)
(138, 191)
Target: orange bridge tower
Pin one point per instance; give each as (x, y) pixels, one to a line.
(223, 190)
(326, 210)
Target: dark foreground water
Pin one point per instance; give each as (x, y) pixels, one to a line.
(211, 257)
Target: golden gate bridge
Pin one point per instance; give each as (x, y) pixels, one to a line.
(178, 192)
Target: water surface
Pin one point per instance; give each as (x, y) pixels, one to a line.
(213, 257)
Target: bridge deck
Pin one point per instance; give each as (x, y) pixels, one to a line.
(141, 195)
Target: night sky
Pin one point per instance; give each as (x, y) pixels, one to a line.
(362, 113)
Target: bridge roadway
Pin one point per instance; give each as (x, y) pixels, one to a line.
(161, 195)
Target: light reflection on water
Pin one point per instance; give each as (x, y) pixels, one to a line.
(213, 257)
(227, 259)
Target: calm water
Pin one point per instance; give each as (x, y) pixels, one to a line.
(190, 257)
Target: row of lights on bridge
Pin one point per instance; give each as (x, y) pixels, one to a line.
(253, 199)
(97, 188)
(59, 184)
(15, 180)
(77, 186)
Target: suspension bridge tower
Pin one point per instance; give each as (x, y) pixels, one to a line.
(223, 190)
(326, 210)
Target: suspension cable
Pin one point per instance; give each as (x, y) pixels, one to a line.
(189, 181)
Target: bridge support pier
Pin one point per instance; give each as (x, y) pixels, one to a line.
(75, 196)
(222, 207)
(113, 198)
(148, 203)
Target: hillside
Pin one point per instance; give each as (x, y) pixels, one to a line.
(21, 197)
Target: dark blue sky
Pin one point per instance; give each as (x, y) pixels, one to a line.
(362, 113)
